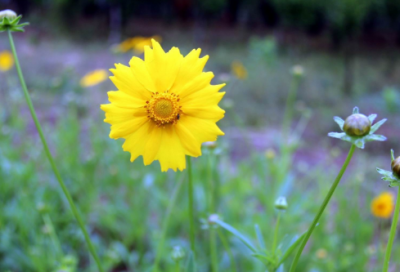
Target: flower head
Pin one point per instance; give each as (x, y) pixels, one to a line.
(136, 44)
(10, 21)
(357, 129)
(382, 205)
(238, 70)
(165, 107)
(393, 176)
(6, 61)
(93, 78)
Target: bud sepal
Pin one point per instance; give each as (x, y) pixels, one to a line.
(10, 22)
(359, 141)
(390, 176)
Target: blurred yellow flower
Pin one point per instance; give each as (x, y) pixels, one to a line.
(321, 253)
(136, 44)
(165, 107)
(6, 61)
(93, 78)
(238, 70)
(270, 154)
(382, 205)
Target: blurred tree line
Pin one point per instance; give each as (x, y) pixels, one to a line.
(340, 18)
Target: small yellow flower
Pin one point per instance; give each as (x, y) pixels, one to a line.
(6, 61)
(165, 107)
(270, 154)
(321, 253)
(93, 78)
(382, 205)
(238, 70)
(136, 44)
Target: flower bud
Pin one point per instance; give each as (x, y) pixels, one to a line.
(281, 203)
(177, 254)
(298, 71)
(357, 125)
(210, 145)
(8, 13)
(396, 167)
(212, 218)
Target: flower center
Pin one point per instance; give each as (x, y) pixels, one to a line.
(163, 108)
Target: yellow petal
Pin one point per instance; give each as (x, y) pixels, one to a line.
(207, 96)
(202, 129)
(191, 67)
(196, 84)
(188, 141)
(140, 72)
(123, 100)
(206, 112)
(115, 114)
(136, 142)
(124, 129)
(171, 152)
(163, 67)
(153, 144)
(125, 81)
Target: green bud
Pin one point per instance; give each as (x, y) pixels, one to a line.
(8, 13)
(396, 167)
(298, 71)
(281, 203)
(357, 125)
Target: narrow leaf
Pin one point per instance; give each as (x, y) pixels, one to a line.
(237, 234)
(372, 117)
(375, 137)
(260, 237)
(383, 172)
(291, 248)
(191, 264)
(392, 154)
(359, 143)
(339, 121)
(355, 110)
(376, 126)
(338, 135)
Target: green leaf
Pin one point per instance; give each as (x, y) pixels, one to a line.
(372, 117)
(374, 137)
(359, 143)
(339, 121)
(191, 263)
(237, 234)
(392, 154)
(291, 248)
(260, 237)
(376, 126)
(383, 172)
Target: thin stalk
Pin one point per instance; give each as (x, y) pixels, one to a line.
(166, 220)
(50, 157)
(213, 242)
(191, 207)
(227, 248)
(53, 236)
(392, 234)
(177, 267)
(275, 241)
(322, 208)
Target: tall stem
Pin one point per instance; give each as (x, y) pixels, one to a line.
(50, 158)
(191, 206)
(213, 242)
(275, 241)
(392, 235)
(322, 208)
(165, 224)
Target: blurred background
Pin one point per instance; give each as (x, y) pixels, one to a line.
(347, 52)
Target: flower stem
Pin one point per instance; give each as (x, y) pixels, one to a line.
(166, 223)
(227, 248)
(191, 207)
(275, 241)
(50, 158)
(53, 236)
(322, 208)
(213, 242)
(392, 235)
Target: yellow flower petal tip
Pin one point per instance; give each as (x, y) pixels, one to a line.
(382, 206)
(6, 61)
(165, 106)
(94, 77)
(136, 44)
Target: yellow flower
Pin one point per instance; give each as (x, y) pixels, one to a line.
(382, 205)
(270, 154)
(136, 44)
(93, 78)
(6, 61)
(239, 70)
(165, 107)
(321, 253)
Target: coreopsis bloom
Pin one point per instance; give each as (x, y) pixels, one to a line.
(6, 61)
(165, 107)
(382, 205)
(238, 70)
(136, 44)
(93, 78)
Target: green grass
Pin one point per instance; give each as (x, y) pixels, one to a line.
(124, 203)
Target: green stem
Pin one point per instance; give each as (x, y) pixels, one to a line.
(213, 242)
(50, 158)
(227, 248)
(191, 207)
(166, 223)
(392, 235)
(276, 233)
(322, 208)
(177, 267)
(53, 236)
